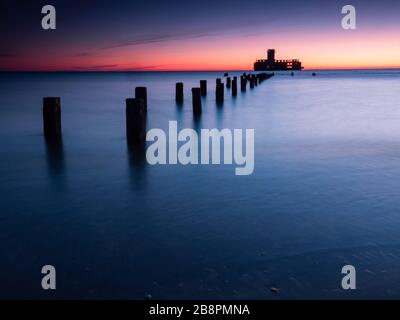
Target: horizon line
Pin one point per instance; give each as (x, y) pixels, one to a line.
(194, 70)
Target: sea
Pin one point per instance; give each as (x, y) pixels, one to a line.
(323, 194)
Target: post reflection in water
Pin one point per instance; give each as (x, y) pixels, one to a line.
(219, 116)
(179, 107)
(55, 160)
(137, 162)
(197, 123)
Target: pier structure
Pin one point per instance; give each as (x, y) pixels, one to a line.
(136, 108)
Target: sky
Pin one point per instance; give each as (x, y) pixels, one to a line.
(160, 35)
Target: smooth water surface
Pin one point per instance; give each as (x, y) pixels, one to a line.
(324, 192)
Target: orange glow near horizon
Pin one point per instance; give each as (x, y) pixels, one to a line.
(323, 49)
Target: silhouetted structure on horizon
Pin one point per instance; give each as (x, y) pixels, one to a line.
(271, 64)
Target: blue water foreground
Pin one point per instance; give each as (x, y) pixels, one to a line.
(324, 192)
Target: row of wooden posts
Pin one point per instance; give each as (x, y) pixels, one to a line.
(136, 108)
(197, 93)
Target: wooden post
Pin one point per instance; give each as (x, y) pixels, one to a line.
(218, 81)
(203, 87)
(196, 99)
(219, 93)
(251, 82)
(228, 82)
(179, 92)
(52, 118)
(234, 87)
(243, 83)
(141, 93)
(135, 120)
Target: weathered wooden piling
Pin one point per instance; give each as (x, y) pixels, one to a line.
(135, 120)
(141, 93)
(255, 80)
(243, 83)
(203, 87)
(179, 92)
(251, 82)
(52, 118)
(234, 87)
(218, 80)
(228, 82)
(196, 100)
(219, 93)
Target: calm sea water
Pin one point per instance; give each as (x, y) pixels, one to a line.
(324, 192)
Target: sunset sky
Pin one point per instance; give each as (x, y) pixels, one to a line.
(152, 35)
